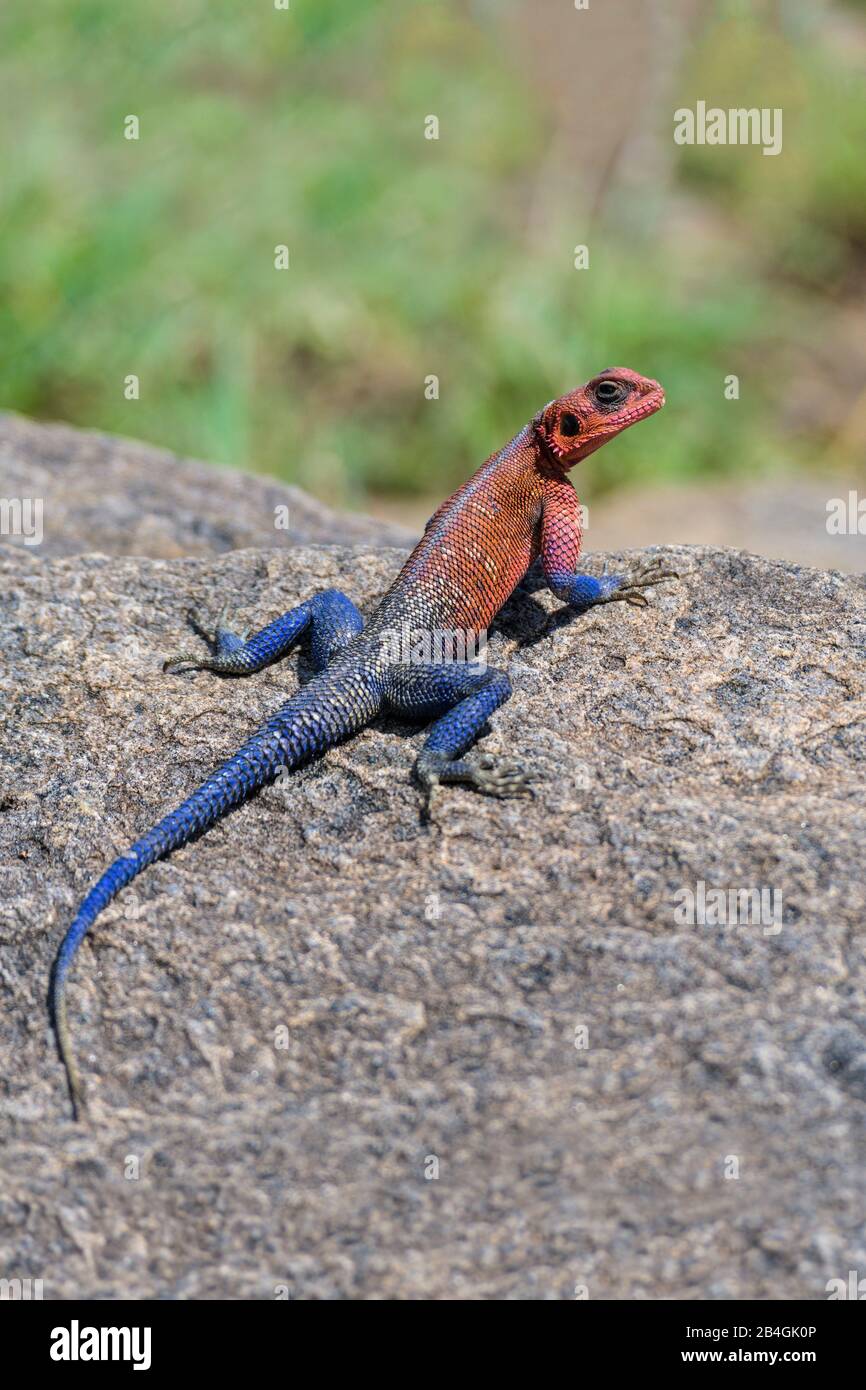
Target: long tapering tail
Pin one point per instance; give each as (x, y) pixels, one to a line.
(305, 726)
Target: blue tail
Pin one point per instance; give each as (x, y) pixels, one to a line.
(284, 742)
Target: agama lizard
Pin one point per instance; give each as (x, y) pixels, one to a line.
(476, 549)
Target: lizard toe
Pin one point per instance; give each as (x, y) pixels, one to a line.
(501, 777)
(642, 577)
(189, 661)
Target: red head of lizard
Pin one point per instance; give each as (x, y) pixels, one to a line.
(571, 428)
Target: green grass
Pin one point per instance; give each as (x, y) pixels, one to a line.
(408, 257)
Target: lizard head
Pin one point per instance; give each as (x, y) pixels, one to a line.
(579, 423)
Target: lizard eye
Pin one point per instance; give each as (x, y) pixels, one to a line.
(610, 391)
(569, 424)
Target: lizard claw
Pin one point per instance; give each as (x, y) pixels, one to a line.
(222, 642)
(190, 661)
(490, 775)
(645, 576)
(500, 777)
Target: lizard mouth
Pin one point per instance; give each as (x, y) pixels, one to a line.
(652, 400)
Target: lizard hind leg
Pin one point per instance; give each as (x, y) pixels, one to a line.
(463, 697)
(330, 621)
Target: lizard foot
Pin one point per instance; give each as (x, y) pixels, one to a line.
(222, 642)
(626, 588)
(499, 776)
(492, 776)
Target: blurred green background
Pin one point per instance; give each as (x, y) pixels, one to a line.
(412, 257)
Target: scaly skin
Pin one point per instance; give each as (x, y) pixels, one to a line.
(476, 549)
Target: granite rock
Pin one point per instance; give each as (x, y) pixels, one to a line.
(121, 497)
(335, 1053)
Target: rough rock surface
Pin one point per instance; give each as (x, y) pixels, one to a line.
(429, 982)
(121, 497)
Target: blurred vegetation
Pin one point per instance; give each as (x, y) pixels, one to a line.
(408, 257)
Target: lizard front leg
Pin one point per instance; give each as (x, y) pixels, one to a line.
(330, 621)
(560, 550)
